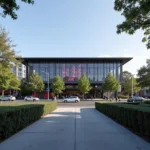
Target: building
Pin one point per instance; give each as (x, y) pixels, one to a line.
(19, 71)
(71, 69)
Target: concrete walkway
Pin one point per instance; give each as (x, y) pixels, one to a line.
(75, 129)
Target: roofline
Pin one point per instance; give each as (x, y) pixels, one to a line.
(123, 59)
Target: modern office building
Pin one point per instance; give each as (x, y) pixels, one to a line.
(71, 69)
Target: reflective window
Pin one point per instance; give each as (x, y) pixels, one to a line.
(73, 71)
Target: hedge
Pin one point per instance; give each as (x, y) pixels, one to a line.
(123, 97)
(14, 117)
(135, 117)
(147, 102)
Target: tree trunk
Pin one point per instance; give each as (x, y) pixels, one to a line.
(83, 96)
(9, 92)
(107, 96)
(3, 92)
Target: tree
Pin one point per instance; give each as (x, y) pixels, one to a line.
(144, 75)
(7, 52)
(25, 90)
(10, 6)
(4, 78)
(137, 16)
(14, 82)
(125, 78)
(35, 83)
(84, 85)
(111, 84)
(8, 79)
(127, 86)
(57, 85)
(126, 75)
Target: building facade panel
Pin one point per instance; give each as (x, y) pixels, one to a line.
(71, 69)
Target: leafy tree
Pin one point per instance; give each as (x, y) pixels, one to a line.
(137, 16)
(57, 85)
(10, 6)
(84, 85)
(25, 90)
(125, 78)
(127, 86)
(4, 78)
(7, 52)
(14, 82)
(126, 75)
(144, 75)
(111, 84)
(35, 83)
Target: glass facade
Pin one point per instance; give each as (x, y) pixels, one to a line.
(71, 72)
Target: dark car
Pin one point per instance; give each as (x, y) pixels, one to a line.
(20, 97)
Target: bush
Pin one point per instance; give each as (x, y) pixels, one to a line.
(135, 117)
(123, 97)
(17, 116)
(147, 102)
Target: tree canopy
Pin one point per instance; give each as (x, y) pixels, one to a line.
(8, 80)
(127, 83)
(111, 84)
(57, 85)
(7, 52)
(14, 82)
(127, 86)
(137, 16)
(35, 83)
(126, 75)
(4, 78)
(144, 75)
(9, 7)
(24, 87)
(84, 84)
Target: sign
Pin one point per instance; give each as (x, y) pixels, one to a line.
(47, 89)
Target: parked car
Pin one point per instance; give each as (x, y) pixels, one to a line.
(31, 98)
(8, 98)
(19, 97)
(136, 99)
(71, 99)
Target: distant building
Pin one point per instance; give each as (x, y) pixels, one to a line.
(19, 71)
(71, 69)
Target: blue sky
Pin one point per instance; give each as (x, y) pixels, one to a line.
(74, 28)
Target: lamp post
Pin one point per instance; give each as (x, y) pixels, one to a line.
(48, 82)
(132, 85)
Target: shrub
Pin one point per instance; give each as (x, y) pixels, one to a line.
(16, 117)
(135, 117)
(123, 97)
(147, 102)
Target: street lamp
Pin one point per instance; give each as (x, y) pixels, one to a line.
(48, 82)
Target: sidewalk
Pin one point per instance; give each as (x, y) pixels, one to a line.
(75, 129)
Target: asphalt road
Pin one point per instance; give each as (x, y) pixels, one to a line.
(88, 103)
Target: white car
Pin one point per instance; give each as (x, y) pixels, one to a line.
(71, 99)
(8, 98)
(31, 98)
(136, 99)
